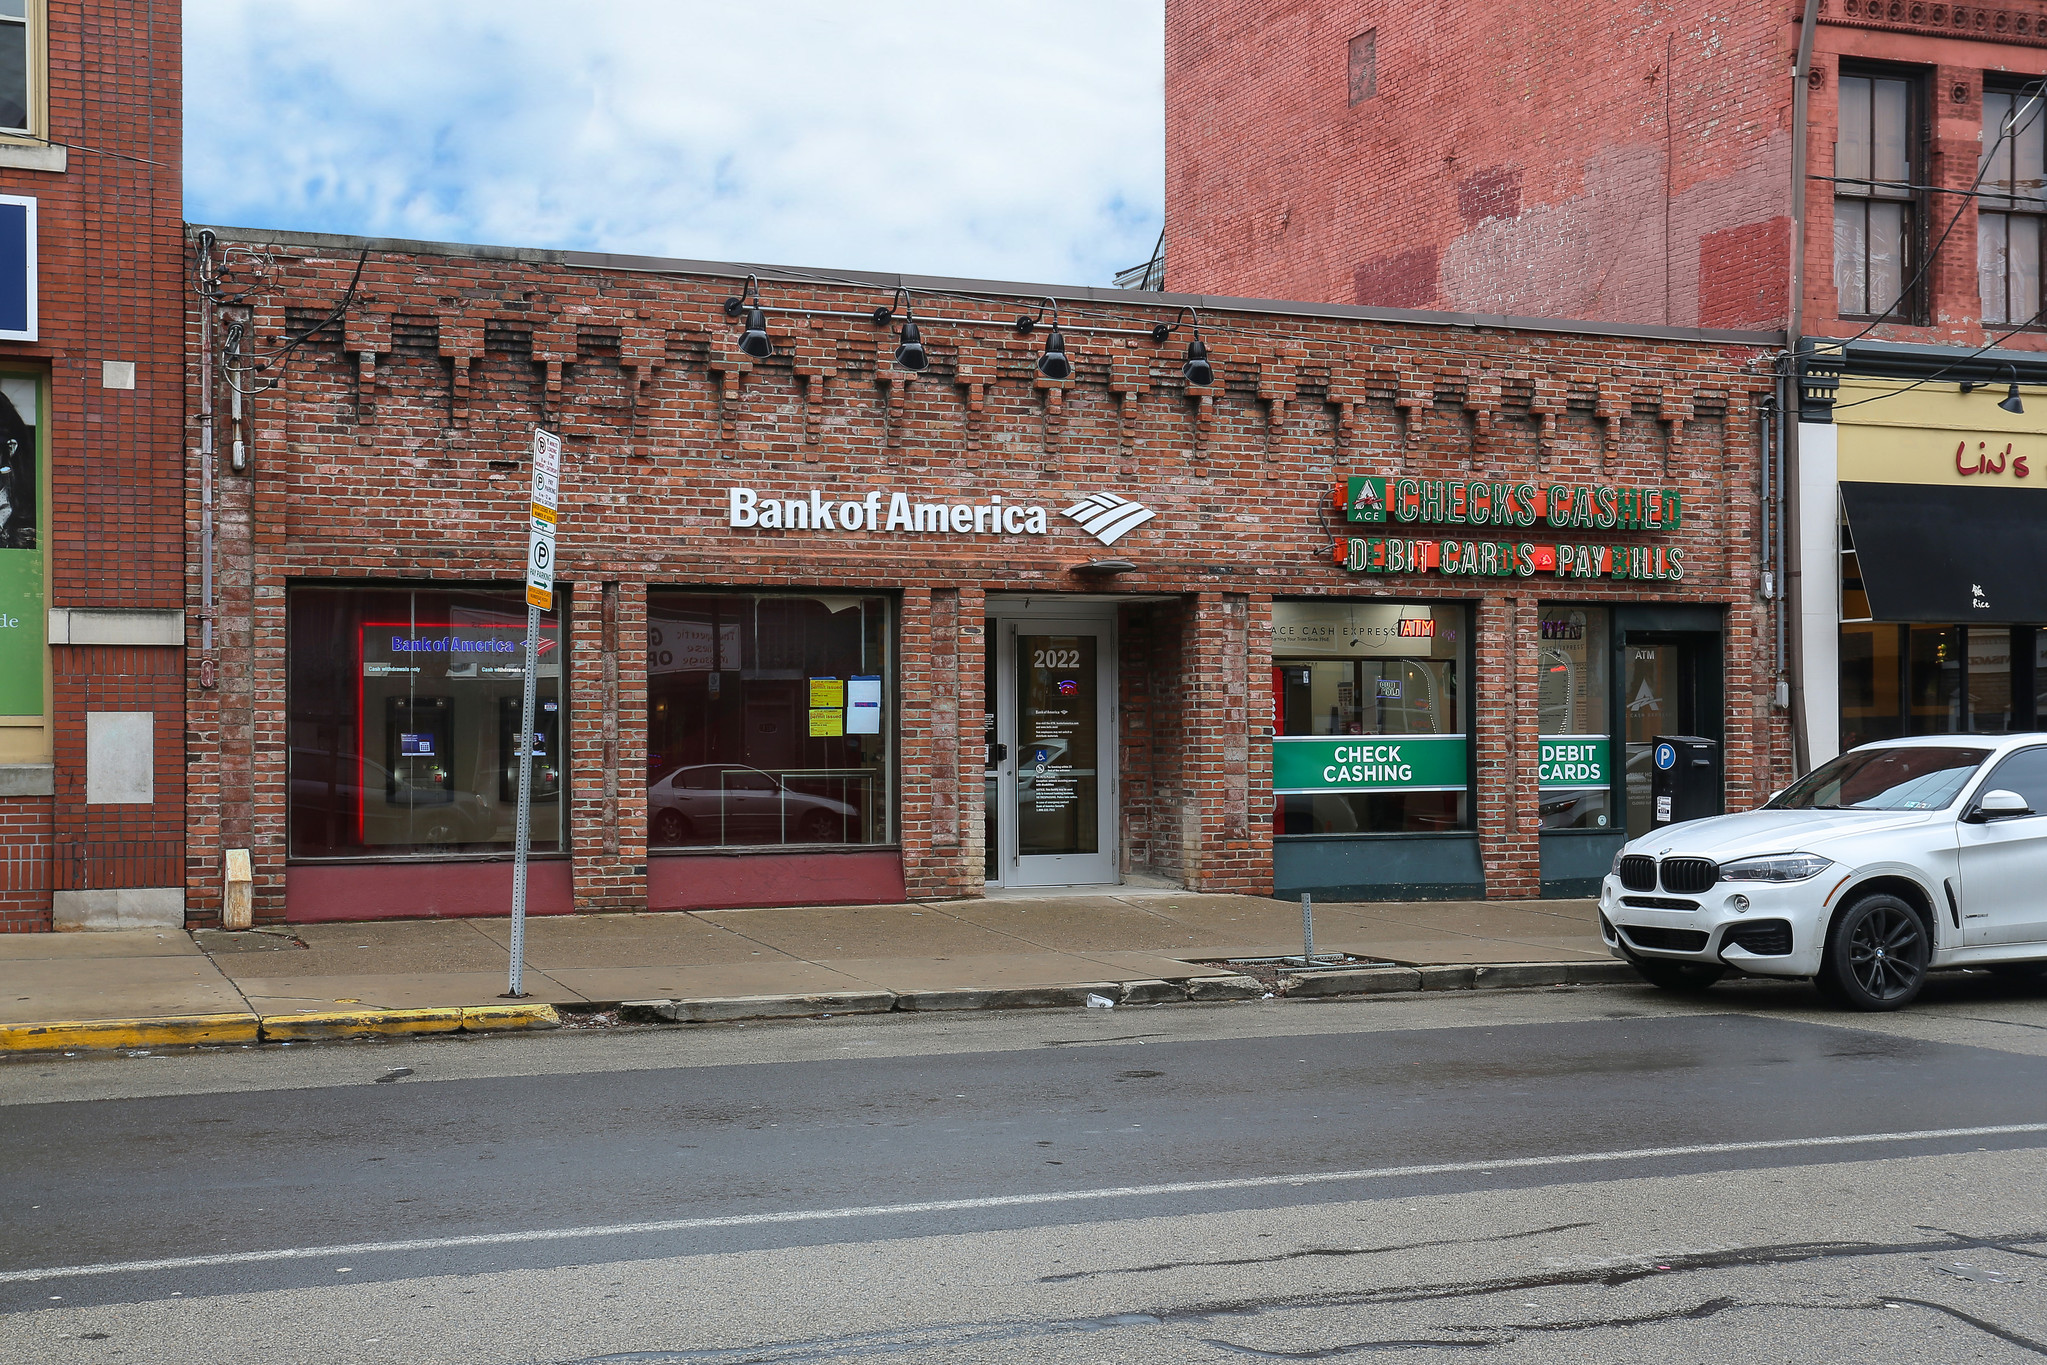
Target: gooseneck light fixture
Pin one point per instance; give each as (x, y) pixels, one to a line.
(910, 352)
(753, 334)
(2011, 402)
(1052, 363)
(1195, 370)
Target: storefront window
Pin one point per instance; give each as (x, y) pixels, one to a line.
(1989, 680)
(1933, 679)
(1368, 717)
(404, 722)
(1870, 679)
(1575, 661)
(769, 719)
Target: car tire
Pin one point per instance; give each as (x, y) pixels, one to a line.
(1686, 977)
(1877, 950)
(670, 827)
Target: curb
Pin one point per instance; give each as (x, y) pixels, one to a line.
(112, 1034)
(195, 1030)
(314, 1025)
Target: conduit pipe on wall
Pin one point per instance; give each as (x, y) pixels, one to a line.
(1788, 387)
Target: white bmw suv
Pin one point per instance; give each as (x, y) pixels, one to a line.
(1893, 859)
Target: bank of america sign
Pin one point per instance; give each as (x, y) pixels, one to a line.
(1104, 516)
(1109, 518)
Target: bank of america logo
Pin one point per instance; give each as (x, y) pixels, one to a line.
(1109, 518)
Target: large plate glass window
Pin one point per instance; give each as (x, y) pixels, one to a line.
(770, 719)
(404, 722)
(1573, 701)
(1369, 718)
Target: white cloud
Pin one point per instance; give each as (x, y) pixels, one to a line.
(973, 138)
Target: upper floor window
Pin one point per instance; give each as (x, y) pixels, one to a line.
(24, 60)
(1875, 169)
(2009, 216)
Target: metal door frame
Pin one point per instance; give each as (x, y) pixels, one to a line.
(1044, 616)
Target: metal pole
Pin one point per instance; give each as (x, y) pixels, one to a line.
(1307, 930)
(523, 750)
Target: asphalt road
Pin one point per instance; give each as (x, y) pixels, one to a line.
(1559, 1175)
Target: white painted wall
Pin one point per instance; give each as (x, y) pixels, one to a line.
(1819, 568)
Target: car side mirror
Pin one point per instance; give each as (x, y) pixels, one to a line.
(1997, 805)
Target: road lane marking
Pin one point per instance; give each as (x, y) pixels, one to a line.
(1005, 1201)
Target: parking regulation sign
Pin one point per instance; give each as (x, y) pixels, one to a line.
(547, 464)
(540, 565)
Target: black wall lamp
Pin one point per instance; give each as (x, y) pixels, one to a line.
(1053, 363)
(910, 352)
(753, 335)
(2011, 401)
(1195, 370)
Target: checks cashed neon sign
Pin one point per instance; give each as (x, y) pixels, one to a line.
(1377, 500)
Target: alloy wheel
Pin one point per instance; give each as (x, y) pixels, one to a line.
(1885, 951)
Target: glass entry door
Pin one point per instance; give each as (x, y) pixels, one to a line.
(1054, 788)
(1670, 686)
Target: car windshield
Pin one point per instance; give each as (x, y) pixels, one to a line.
(1914, 778)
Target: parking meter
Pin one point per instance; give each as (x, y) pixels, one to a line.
(1684, 779)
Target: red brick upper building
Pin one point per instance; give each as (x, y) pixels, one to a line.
(1610, 162)
(92, 626)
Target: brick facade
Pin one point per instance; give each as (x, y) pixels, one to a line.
(1610, 162)
(111, 288)
(394, 451)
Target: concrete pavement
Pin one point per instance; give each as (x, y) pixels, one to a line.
(1605, 1177)
(948, 954)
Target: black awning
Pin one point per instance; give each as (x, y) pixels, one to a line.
(1942, 553)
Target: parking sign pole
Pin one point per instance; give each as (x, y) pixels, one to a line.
(547, 449)
(524, 828)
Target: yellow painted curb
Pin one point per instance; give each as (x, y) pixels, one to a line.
(477, 1018)
(291, 1028)
(172, 1031)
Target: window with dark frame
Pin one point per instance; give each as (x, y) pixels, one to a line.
(1876, 165)
(2013, 207)
(770, 719)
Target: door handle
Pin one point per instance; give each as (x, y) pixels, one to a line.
(1001, 751)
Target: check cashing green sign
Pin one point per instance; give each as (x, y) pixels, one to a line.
(1576, 761)
(1363, 763)
(1356, 763)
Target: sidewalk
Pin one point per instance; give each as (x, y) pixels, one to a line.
(1022, 941)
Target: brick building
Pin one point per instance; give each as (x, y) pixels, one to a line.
(92, 625)
(1867, 175)
(1386, 607)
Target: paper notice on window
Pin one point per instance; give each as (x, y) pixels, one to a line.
(863, 705)
(827, 722)
(827, 693)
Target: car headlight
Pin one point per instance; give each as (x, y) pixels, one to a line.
(1615, 870)
(1775, 867)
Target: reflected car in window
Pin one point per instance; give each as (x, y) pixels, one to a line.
(1883, 864)
(713, 804)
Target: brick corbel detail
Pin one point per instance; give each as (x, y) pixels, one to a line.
(974, 370)
(462, 347)
(554, 346)
(1130, 381)
(728, 368)
(366, 336)
(1277, 387)
(817, 364)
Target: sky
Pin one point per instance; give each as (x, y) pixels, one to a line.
(971, 138)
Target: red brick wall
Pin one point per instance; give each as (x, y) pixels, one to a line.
(399, 469)
(111, 287)
(1555, 161)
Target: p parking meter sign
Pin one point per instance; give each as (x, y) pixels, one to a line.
(547, 464)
